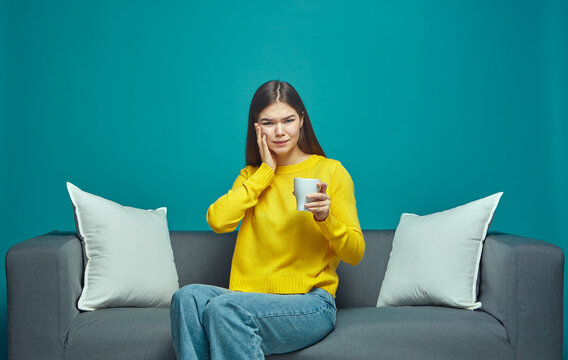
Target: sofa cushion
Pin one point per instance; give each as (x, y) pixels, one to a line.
(129, 255)
(413, 332)
(357, 284)
(353, 290)
(420, 332)
(435, 258)
(121, 333)
(214, 250)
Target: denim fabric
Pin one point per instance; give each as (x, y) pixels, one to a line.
(210, 322)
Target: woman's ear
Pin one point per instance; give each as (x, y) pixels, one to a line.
(302, 119)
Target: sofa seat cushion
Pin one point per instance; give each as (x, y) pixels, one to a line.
(420, 332)
(121, 333)
(410, 333)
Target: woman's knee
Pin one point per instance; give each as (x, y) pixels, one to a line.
(223, 309)
(192, 292)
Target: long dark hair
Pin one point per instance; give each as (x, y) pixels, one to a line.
(266, 95)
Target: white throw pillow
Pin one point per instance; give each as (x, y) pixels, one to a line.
(130, 262)
(435, 258)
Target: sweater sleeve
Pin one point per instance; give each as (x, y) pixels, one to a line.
(225, 214)
(341, 228)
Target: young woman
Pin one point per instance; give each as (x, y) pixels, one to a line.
(281, 294)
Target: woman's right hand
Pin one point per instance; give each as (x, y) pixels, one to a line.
(265, 153)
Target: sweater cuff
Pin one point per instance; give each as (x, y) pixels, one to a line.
(328, 226)
(263, 176)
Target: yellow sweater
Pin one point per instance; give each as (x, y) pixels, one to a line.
(281, 250)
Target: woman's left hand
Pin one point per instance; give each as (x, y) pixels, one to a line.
(320, 204)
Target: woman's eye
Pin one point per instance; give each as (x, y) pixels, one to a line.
(289, 120)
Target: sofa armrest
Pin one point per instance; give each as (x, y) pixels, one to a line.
(522, 286)
(44, 281)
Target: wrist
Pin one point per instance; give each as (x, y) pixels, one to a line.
(272, 166)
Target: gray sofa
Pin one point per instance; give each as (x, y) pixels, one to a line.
(521, 289)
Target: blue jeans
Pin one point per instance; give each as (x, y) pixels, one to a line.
(209, 322)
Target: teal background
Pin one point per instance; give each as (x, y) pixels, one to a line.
(428, 104)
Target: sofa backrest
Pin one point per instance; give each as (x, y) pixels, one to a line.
(205, 257)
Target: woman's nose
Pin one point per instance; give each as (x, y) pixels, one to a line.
(279, 129)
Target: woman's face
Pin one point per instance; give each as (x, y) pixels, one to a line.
(281, 124)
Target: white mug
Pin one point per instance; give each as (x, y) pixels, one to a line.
(303, 187)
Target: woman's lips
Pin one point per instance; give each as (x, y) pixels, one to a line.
(281, 142)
